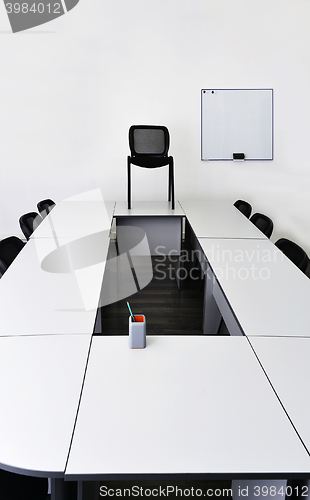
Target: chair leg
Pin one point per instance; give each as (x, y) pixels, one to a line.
(169, 183)
(172, 185)
(129, 183)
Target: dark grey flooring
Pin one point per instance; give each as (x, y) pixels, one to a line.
(167, 309)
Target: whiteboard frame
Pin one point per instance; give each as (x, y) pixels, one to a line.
(270, 123)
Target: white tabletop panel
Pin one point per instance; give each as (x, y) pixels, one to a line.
(41, 385)
(38, 298)
(268, 294)
(147, 208)
(181, 405)
(76, 219)
(219, 219)
(286, 362)
(91, 195)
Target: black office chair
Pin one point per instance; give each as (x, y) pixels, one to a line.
(18, 487)
(294, 252)
(29, 222)
(149, 146)
(45, 206)
(9, 249)
(244, 207)
(263, 223)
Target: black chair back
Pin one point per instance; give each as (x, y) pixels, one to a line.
(29, 222)
(148, 143)
(9, 249)
(263, 223)
(294, 252)
(244, 207)
(45, 206)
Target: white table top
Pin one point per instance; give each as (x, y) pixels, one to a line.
(41, 384)
(140, 409)
(147, 208)
(90, 195)
(182, 405)
(286, 362)
(76, 219)
(219, 219)
(267, 292)
(43, 301)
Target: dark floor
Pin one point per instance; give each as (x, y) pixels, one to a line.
(167, 309)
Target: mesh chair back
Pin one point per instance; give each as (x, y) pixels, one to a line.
(263, 223)
(148, 140)
(294, 252)
(244, 207)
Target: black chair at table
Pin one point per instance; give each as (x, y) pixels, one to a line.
(18, 487)
(263, 223)
(149, 146)
(244, 207)
(9, 249)
(29, 222)
(294, 252)
(45, 206)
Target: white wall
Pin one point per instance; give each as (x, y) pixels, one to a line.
(70, 89)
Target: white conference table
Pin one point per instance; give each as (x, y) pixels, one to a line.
(42, 379)
(286, 363)
(182, 406)
(265, 291)
(162, 225)
(36, 301)
(147, 208)
(45, 310)
(218, 219)
(76, 219)
(54, 284)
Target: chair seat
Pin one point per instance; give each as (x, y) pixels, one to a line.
(147, 162)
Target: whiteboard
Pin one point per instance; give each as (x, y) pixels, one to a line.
(236, 121)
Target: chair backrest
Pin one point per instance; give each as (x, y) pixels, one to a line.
(45, 206)
(149, 140)
(244, 207)
(294, 252)
(9, 249)
(29, 222)
(263, 223)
